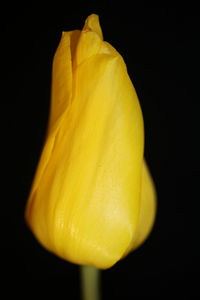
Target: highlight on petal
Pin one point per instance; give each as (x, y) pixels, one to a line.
(92, 200)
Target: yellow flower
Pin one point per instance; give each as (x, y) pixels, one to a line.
(92, 200)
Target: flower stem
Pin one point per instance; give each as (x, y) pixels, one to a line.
(90, 277)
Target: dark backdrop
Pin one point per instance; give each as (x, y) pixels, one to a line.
(160, 46)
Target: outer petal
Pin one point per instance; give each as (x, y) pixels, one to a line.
(107, 153)
(62, 77)
(147, 209)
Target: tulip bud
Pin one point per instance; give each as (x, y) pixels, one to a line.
(92, 200)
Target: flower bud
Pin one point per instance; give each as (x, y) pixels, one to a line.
(92, 200)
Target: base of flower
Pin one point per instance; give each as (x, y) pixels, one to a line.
(90, 283)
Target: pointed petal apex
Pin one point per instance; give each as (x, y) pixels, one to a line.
(92, 24)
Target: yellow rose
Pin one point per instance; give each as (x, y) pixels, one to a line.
(92, 200)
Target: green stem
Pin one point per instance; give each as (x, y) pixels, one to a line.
(90, 277)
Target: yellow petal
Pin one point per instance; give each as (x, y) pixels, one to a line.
(147, 208)
(61, 89)
(85, 202)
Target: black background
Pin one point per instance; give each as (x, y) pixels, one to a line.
(160, 46)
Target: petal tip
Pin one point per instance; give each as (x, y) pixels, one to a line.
(92, 24)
